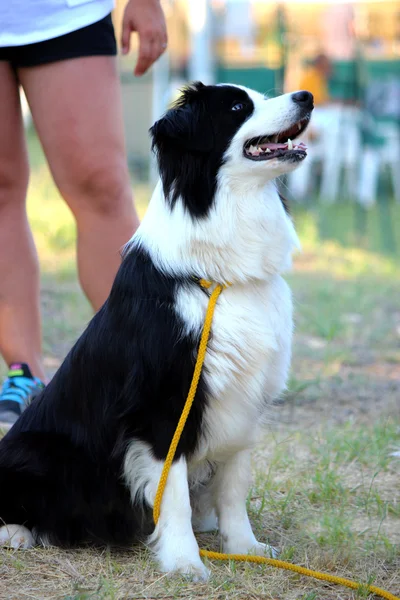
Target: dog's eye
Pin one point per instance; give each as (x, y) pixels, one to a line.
(238, 106)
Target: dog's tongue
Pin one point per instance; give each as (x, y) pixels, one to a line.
(273, 146)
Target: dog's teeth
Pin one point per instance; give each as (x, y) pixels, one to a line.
(275, 139)
(254, 150)
(290, 144)
(299, 125)
(267, 150)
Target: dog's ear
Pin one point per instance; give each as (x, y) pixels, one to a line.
(186, 125)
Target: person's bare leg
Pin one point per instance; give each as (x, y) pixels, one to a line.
(20, 327)
(76, 106)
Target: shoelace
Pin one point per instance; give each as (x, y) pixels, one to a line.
(18, 388)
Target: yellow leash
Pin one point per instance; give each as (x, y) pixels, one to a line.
(273, 562)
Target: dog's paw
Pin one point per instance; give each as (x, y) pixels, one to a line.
(250, 547)
(16, 536)
(261, 549)
(195, 570)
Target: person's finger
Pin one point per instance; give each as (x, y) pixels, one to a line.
(126, 35)
(145, 55)
(163, 43)
(156, 49)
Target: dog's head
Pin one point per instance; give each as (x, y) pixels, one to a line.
(227, 128)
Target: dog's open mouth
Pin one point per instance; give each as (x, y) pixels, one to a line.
(278, 145)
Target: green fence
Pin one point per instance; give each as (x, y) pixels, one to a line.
(257, 78)
(345, 83)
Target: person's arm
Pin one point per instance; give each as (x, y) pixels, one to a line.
(146, 17)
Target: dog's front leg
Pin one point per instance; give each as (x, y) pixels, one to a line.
(173, 538)
(231, 485)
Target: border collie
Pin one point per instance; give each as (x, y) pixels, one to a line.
(82, 463)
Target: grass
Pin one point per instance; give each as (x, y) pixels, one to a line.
(326, 483)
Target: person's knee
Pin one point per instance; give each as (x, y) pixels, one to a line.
(13, 185)
(103, 191)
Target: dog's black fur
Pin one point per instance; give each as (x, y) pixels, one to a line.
(61, 463)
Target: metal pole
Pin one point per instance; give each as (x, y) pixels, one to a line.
(201, 66)
(160, 99)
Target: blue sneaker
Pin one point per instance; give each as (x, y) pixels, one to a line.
(17, 392)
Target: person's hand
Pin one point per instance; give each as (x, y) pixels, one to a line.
(146, 17)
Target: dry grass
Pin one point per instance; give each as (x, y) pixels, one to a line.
(328, 496)
(326, 486)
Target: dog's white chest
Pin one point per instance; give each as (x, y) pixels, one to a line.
(247, 359)
(243, 335)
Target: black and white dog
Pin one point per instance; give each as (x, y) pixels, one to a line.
(83, 462)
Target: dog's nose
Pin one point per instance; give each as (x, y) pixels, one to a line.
(304, 99)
